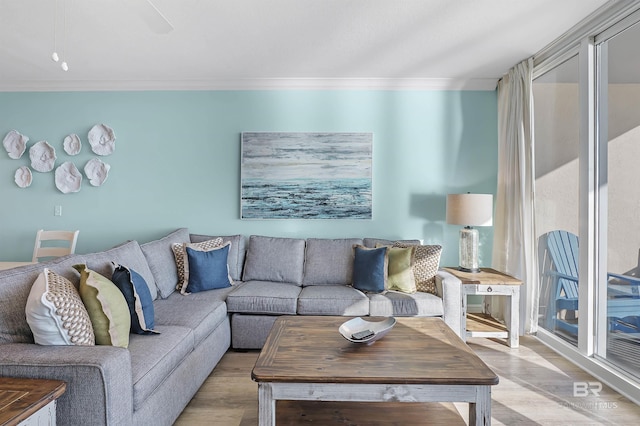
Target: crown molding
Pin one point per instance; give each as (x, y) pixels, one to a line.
(484, 84)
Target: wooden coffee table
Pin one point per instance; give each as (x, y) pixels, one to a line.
(419, 360)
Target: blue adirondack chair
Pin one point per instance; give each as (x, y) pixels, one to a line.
(623, 296)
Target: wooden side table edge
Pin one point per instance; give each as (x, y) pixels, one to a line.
(42, 393)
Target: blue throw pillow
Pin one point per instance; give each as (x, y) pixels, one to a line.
(208, 270)
(138, 297)
(370, 269)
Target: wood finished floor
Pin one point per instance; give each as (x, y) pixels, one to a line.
(536, 388)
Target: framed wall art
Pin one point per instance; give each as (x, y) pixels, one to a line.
(306, 175)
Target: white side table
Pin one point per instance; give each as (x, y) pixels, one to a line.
(489, 282)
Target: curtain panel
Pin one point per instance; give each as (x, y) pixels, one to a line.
(514, 230)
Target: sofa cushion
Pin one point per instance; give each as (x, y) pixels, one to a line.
(153, 358)
(136, 293)
(401, 277)
(398, 304)
(129, 254)
(329, 261)
(208, 269)
(56, 314)
(202, 312)
(106, 306)
(274, 259)
(264, 297)
(182, 261)
(425, 266)
(370, 266)
(236, 252)
(161, 262)
(14, 291)
(332, 300)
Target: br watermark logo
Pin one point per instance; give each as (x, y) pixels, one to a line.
(584, 389)
(589, 389)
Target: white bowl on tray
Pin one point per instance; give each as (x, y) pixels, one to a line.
(364, 330)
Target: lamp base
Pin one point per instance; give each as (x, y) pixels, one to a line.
(468, 249)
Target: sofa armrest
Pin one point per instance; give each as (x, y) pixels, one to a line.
(449, 288)
(99, 384)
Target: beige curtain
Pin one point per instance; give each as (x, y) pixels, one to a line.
(514, 224)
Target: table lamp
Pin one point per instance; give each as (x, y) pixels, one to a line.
(469, 210)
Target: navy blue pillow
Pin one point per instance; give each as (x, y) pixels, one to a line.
(370, 269)
(138, 297)
(208, 270)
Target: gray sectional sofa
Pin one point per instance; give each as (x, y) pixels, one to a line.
(152, 380)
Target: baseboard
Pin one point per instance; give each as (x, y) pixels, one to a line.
(475, 308)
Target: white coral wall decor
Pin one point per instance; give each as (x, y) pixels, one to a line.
(102, 139)
(68, 178)
(43, 156)
(96, 171)
(23, 177)
(15, 144)
(72, 144)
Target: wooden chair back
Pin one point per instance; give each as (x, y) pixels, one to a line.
(57, 243)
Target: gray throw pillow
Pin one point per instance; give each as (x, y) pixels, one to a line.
(274, 259)
(161, 261)
(329, 261)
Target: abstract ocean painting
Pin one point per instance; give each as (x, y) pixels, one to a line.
(306, 175)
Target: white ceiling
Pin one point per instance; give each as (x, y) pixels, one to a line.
(275, 43)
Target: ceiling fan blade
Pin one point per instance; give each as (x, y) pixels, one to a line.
(152, 16)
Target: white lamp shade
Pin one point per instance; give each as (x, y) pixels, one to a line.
(470, 209)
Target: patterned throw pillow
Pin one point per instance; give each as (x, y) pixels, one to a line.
(106, 306)
(55, 312)
(182, 262)
(425, 266)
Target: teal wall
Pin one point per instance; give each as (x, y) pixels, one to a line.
(177, 162)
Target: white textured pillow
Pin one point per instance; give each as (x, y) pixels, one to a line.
(182, 262)
(55, 312)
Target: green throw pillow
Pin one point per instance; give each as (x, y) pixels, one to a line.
(106, 306)
(401, 277)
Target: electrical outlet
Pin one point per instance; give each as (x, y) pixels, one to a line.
(57, 211)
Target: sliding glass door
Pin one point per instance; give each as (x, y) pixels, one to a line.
(556, 111)
(619, 200)
(567, 161)
(587, 197)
